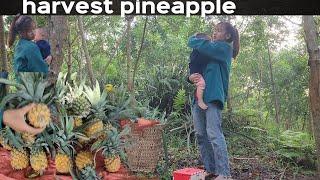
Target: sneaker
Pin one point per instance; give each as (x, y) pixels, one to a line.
(220, 177)
(210, 176)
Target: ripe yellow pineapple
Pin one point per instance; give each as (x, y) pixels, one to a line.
(112, 164)
(19, 159)
(38, 160)
(94, 129)
(63, 163)
(39, 116)
(84, 159)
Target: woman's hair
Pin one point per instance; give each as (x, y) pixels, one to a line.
(234, 37)
(19, 25)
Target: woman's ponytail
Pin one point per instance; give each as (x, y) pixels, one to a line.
(13, 31)
(236, 43)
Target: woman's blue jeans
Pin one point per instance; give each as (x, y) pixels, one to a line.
(211, 141)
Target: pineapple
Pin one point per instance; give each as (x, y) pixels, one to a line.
(84, 159)
(94, 128)
(76, 102)
(98, 103)
(39, 116)
(19, 159)
(65, 144)
(32, 89)
(38, 159)
(63, 163)
(112, 149)
(19, 156)
(112, 163)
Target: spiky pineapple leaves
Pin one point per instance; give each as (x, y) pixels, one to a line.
(32, 87)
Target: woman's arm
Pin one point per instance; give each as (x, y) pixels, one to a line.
(35, 60)
(217, 50)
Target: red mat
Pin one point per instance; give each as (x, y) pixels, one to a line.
(7, 173)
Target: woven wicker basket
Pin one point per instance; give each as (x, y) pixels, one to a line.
(146, 148)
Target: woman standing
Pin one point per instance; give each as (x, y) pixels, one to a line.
(207, 123)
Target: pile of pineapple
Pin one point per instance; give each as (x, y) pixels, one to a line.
(77, 127)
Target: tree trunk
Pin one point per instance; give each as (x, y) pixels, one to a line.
(58, 29)
(69, 63)
(311, 39)
(275, 95)
(129, 20)
(3, 52)
(86, 52)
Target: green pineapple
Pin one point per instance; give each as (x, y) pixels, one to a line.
(76, 103)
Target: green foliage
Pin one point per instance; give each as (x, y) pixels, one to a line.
(179, 100)
(296, 145)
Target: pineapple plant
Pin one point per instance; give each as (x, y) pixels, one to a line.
(28, 138)
(98, 103)
(76, 102)
(65, 140)
(32, 89)
(111, 148)
(19, 155)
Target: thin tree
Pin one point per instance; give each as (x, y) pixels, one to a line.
(274, 90)
(58, 29)
(86, 52)
(311, 39)
(3, 53)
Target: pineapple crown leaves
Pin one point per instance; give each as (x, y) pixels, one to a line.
(88, 173)
(97, 98)
(113, 145)
(65, 136)
(15, 140)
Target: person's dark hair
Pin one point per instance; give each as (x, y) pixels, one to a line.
(203, 36)
(234, 37)
(19, 25)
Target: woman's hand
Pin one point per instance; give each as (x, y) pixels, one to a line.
(15, 119)
(195, 77)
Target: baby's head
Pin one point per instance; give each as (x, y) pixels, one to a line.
(41, 34)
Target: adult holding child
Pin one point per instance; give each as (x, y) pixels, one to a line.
(27, 58)
(207, 122)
